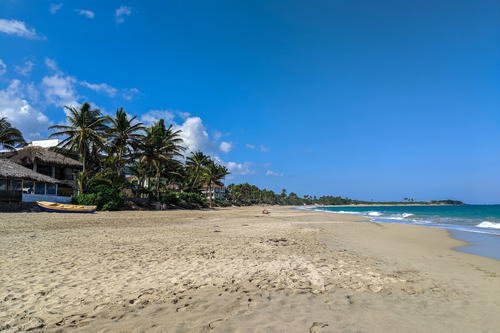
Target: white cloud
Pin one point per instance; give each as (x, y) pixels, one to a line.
(18, 28)
(273, 174)
(100, 87)
(195, 136)
(240, 169)
(225, 146)
(129, 94)
(32, 92)
(55, 7)
(121, 13)
(20, 113)
(193, 132)
(51, 63)
(264, 149)
(3, 67)
(26, 68)
(87, 13)
(218, 135)
(184, 115)
(249, 146)
(155, 115)
(59, 90)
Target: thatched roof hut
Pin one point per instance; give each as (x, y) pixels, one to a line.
(11, 170)
(31, 154)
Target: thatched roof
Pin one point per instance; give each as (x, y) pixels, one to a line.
(30, 154)
(9, 169)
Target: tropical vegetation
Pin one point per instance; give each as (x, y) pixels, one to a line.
(10, 137)
(126, 161)
(122, 157)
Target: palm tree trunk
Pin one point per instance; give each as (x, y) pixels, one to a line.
(84, 160)
(210, 193)
(158, 184)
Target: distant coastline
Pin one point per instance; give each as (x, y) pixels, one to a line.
(397, 203)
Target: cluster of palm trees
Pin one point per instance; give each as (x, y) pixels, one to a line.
(121, 145)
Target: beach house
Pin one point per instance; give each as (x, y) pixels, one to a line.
(214, 192)
(51, 176)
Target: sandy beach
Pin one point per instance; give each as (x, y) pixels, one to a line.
(237, 270)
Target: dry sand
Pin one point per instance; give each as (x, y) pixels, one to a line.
(237, 270)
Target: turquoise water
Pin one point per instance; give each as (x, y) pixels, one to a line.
(477, 224)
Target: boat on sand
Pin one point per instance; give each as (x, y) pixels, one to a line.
(54, 207)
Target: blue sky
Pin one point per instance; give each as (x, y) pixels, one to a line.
(367, 99)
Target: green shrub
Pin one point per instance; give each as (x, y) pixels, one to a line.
(192, 200)
(170, 198)
(102, 196)
(184, 199)
(222, 203)
(87, 199)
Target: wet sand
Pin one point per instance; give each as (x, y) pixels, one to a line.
(237, 270)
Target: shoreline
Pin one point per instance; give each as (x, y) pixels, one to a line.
(383, 205)
(238, 270)
(481, 243)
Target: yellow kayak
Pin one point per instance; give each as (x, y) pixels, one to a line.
(54, 207)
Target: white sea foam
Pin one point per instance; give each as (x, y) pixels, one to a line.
(346, 212)
(374, 214)
(488, 224)
(399, 217)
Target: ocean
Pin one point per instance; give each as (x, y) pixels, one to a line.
(479, 225)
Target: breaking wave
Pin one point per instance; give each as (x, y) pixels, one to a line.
(489, 225)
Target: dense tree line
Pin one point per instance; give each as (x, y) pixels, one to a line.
(247, 194)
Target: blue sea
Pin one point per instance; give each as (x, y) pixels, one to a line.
(479, 225)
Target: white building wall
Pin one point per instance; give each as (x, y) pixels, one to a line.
(45, 143)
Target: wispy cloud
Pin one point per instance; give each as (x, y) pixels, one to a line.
(59, 88)
(240, 169)
(264, 149)
(225, 147)
(18, 28)
(129, 94)
(26, 68)
(3, 67)
(85, 12)
(52, 64)
(153, 116)
(273, 174)
(100, 87)
(121, 13)
(184, 115)
(55, 7)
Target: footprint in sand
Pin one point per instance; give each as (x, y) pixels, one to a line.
(316, 327)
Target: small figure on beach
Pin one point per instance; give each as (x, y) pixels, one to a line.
(265, 211)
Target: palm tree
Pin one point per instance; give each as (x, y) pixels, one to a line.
(161, 146)
(124, 136)
(10, 137)
(86, 130)
(139, 170)
(195, 165)
(214, 174)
